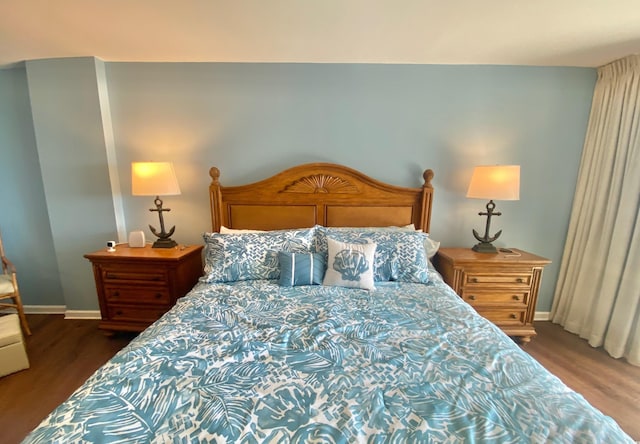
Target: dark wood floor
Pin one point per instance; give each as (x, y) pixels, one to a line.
(64, 353)
(611, 385)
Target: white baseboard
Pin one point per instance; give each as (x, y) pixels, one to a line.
(39, 309)
(542, 316)
(59, 310)
(82, 314)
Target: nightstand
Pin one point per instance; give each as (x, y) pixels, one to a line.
(138, 285)
(501, 287)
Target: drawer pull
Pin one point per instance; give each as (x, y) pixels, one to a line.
(520, 280)
(119, 312)
(516, 297)
(158, 295)
(472, 297)
(474, 280)
(513, 316)
(116, 294)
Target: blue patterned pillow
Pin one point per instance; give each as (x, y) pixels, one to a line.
(349, 265)
(300, 268)
(247, 256)
(400, 254)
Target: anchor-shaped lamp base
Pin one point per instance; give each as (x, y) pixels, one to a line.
(164, 238)
(485, 246)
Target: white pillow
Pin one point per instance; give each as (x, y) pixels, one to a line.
(410, 227)
(225, 230)
(430, 247)
(349, 265)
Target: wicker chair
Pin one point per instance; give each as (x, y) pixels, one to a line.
(9, 292)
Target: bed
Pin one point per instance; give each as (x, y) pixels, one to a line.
(288, 340)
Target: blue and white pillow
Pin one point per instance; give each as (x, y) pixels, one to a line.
(247, 256)
(350, 265)
(300, 269)
(400, 254)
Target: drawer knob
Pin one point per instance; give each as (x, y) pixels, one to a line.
(472, 297)
(119, 312)
(474, 280)
(520, 280)
(158, 295)
(116, 294)
(516, 297)
(513, 316)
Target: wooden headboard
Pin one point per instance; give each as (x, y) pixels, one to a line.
(319, 193)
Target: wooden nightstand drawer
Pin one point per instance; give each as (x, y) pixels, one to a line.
(141, 295)
(136, 286)
(500, 298)
(135, 313)
(134, 274)
(497, 279)
(504, 317)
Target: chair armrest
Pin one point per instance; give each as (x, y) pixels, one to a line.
(7, 265)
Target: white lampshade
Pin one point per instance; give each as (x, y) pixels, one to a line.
(496, 182)
(153, 179)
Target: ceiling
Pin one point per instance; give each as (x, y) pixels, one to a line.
(586, 33)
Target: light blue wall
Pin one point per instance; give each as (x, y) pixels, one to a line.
(23, 212)
(69, 132)
(389, 121)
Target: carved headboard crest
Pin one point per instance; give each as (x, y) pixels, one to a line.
(321, 183)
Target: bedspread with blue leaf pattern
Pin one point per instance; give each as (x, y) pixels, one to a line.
(254, 362)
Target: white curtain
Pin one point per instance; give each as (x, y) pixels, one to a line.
(598, 290)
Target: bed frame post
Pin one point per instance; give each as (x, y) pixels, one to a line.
(215, 196)
(427, 200)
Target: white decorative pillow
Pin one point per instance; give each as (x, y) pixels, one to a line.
(349, 265)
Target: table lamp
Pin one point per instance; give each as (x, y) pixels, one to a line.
(499, 182)
(156, 179)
